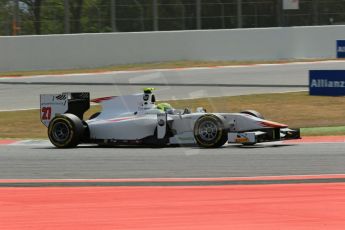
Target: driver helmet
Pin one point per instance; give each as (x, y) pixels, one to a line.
(164, 107)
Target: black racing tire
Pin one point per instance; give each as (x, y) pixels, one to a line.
(211, 131)
(93, 116)
(253, 113)
(65, 131)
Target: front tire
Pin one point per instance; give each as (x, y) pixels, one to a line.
(65, 131)
(211, 131)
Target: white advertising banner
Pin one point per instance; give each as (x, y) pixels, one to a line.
(290, 4)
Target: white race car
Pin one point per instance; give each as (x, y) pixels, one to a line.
(136, 119)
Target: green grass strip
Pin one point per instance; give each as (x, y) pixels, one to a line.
(323, 131)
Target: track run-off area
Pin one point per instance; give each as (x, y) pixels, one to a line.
(273, 206)
(284, 185)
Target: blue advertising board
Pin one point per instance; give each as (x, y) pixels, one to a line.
(340, 48)
(327, 82)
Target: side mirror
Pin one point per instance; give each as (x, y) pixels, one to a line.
(200, 110)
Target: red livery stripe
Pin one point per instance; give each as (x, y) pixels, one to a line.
(121, 119)
(101, 99)
(272, 124)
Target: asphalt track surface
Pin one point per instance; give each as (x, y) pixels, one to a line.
(22, 93)
(204, 201)
(90, 162)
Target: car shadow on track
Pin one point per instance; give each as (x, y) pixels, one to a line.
(273, 145)
(262, 146)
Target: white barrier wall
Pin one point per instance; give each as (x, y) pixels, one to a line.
(93, 50)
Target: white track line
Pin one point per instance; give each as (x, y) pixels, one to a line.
(15, 110)
(281, 177)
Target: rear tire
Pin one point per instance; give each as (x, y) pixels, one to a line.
(65, 131)
(211, 131)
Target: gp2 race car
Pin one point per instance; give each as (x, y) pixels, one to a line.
(137, 120)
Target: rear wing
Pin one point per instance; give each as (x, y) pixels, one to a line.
(52, 105)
